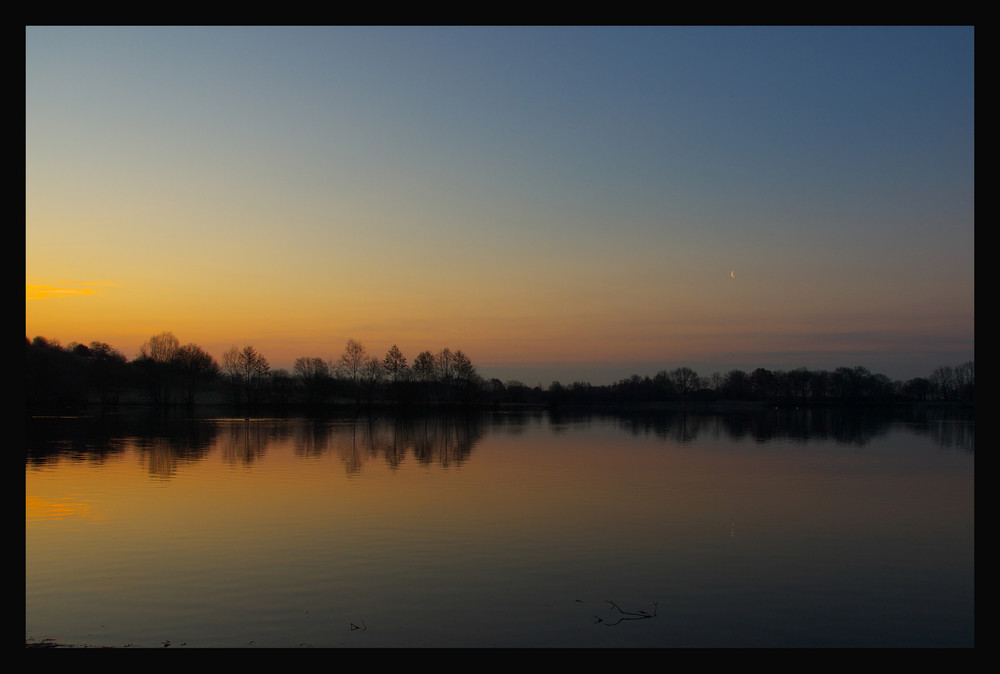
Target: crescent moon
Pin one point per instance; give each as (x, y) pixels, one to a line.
(733, 274)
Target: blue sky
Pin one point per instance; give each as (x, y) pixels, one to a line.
(573, 203)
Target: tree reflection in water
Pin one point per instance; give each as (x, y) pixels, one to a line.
(169, 441)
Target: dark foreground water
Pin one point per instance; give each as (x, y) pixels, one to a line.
(774, 528)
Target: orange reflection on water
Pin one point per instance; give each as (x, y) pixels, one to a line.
(39, 509)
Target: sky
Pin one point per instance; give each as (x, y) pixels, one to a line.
(559, 203)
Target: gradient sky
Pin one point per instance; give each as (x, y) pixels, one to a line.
(578, 203)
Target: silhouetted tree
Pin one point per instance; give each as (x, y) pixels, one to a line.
(634, 389)
(762, 383)
(582, 393)
(371, 376)
(715, 381)
(254, 368)
(231, 371)
(397, 371)
(444, 364)
(468, 384)
(516, 391)
(280, 387)
(54, 375)
(879, 388)
(246, 370)
(107, 372)
(195, 368)
(685, 380)
(423, 366)
(351, 364)
(860, 383)
(843, 384)
(798, 384)
(495, 391)
(424, 371)
(314, 376)
(819, 385)
(664, 387)
(965, 380)
(943, 382)
(557, 394)
(395, 364)
(918, 388)
(160, 348)
(155, 361)
(737, 385)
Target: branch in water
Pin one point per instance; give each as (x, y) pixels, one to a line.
(629, 615)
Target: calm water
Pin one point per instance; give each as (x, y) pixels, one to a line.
(758, 529)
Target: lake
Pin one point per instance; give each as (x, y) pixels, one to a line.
(756, 528)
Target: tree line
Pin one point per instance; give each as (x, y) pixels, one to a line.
(793, 387)
(166, 372)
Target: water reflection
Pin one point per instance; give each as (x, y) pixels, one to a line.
(948, 427)
(168, 441)
(671, 529)
(38, 509)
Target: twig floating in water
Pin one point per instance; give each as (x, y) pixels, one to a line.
(628, 615)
